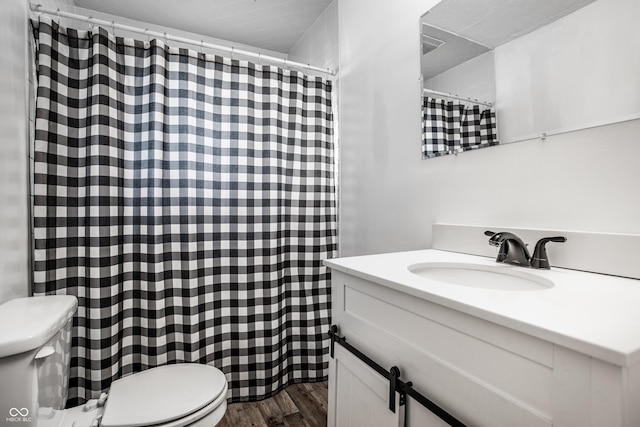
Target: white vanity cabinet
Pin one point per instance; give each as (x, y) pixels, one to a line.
(484, 367)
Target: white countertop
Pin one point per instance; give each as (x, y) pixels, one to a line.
(590, 313)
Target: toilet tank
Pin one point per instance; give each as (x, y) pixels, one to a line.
(35, 339)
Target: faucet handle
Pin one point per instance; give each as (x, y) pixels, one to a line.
(489, 233)
(540, 259)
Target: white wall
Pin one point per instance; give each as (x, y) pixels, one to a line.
(579, 71)
(583, 180)
(475, 79)
(14, 152)
(319, 45)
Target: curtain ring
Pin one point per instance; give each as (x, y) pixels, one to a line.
(59, 23)
(286, 66)
(232, 53)
(202, 47)
(113, 28)
(260, 58)
(91, 24)
(166, 40)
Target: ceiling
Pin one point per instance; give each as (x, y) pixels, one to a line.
(454, 51)
(495, 22)
(275, 25)
(471, 27)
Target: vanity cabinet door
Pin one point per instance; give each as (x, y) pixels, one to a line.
(358, 396)
(482, 373)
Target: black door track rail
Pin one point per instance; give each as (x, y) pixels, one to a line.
(396, 385)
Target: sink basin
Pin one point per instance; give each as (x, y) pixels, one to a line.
(481, 276)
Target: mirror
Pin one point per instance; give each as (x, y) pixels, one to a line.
(515, 70)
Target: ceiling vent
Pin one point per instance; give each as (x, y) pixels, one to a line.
(430, 43)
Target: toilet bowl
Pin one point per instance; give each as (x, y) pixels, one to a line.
(35, 333)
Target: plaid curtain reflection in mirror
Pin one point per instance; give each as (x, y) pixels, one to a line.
(454, 126)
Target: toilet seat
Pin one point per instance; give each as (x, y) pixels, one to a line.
(220, 404)
(167, 396)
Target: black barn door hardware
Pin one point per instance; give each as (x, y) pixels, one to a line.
(396, 385)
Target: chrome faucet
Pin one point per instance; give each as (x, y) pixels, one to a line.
(514, 251)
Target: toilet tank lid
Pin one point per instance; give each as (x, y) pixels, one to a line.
(28, 323)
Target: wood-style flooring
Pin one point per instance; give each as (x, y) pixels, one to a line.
(299, 405)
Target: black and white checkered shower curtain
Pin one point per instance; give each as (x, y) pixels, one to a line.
(188, 202)
(450, 126)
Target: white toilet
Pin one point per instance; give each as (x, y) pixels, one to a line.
(34, 370)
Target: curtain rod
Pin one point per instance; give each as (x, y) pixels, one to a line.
(165, 36)
(448, 95)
